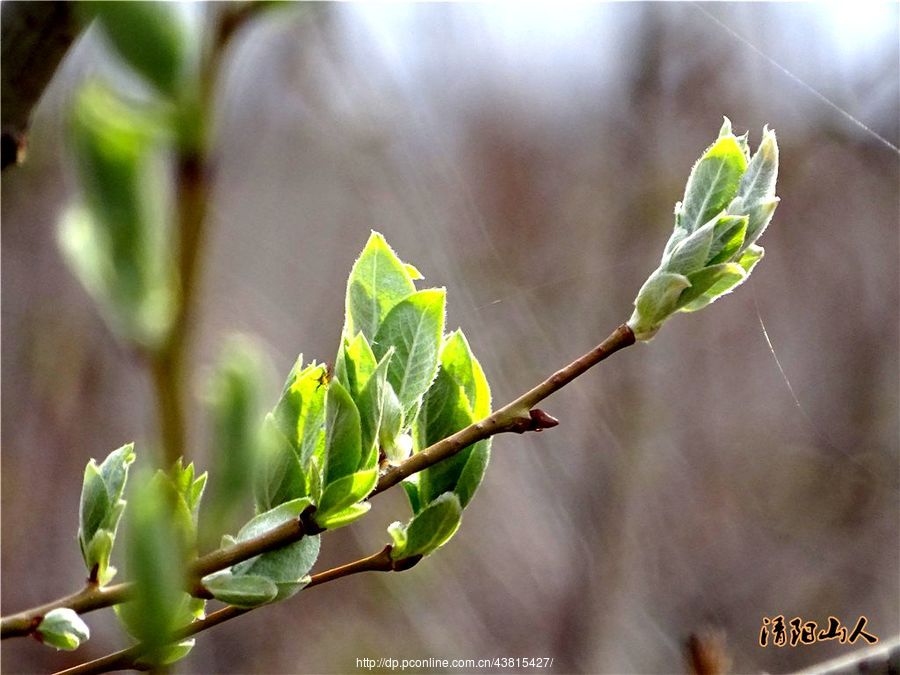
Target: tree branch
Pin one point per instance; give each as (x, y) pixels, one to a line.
(517, 416)
(36, 37)
(128, 658)
(89, 598)
(167, 364)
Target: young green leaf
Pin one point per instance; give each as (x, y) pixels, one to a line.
(448, 407)
(345, 492)
(756, 195)
(749, 258)
(690, 253)
(343, 446)
(702, 263)
(355, 364)
(314, 478)
(473, 472)
(300, 413)
(711, 283)
(187, 610)
(181, 493)
(345, 516)
(459, 361)
(411, 488)
(414, 272)
(246, 590)
(279, 476)
(390, 436)
(288, 567)
(101, 509)
(714, 181)
(371, 402)
(413, 328)
(728, 238)
(62, 628)
(655, 302)
(428, 530)
(445, 411)
(95, 504)
(167, 655)
(378, 281)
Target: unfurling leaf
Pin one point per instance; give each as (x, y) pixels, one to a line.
(428, 530)
(713, 182)
(300, 412)
(286, 568)
(62, 628)
(294, 439)
(344, 517)
(378, 281)
(101, 509)
(728, 204)
(458, 397)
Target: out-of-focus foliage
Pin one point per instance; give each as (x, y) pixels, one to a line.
(162, 531)
(116, 236)
(235, 401)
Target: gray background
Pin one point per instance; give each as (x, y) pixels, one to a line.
(527, 158)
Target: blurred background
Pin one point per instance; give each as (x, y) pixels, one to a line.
(528, 158)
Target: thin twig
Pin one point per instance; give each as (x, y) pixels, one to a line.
(518, 416)
(168, 364)
(128, 658)
(95, 597)
(89, 598)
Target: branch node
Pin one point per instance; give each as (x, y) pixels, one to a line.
(200, 591)
(33, 628)
(93, 580)
(540, 420)
(405, 563)
(308, 524)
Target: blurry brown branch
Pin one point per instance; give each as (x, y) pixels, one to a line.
(35, 38)
(883, 657)
(168, 363)
(517, 417)
(128, 658)
(705, 653)
(195, 167)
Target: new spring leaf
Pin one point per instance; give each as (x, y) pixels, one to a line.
(727, 205)
(101, 509)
